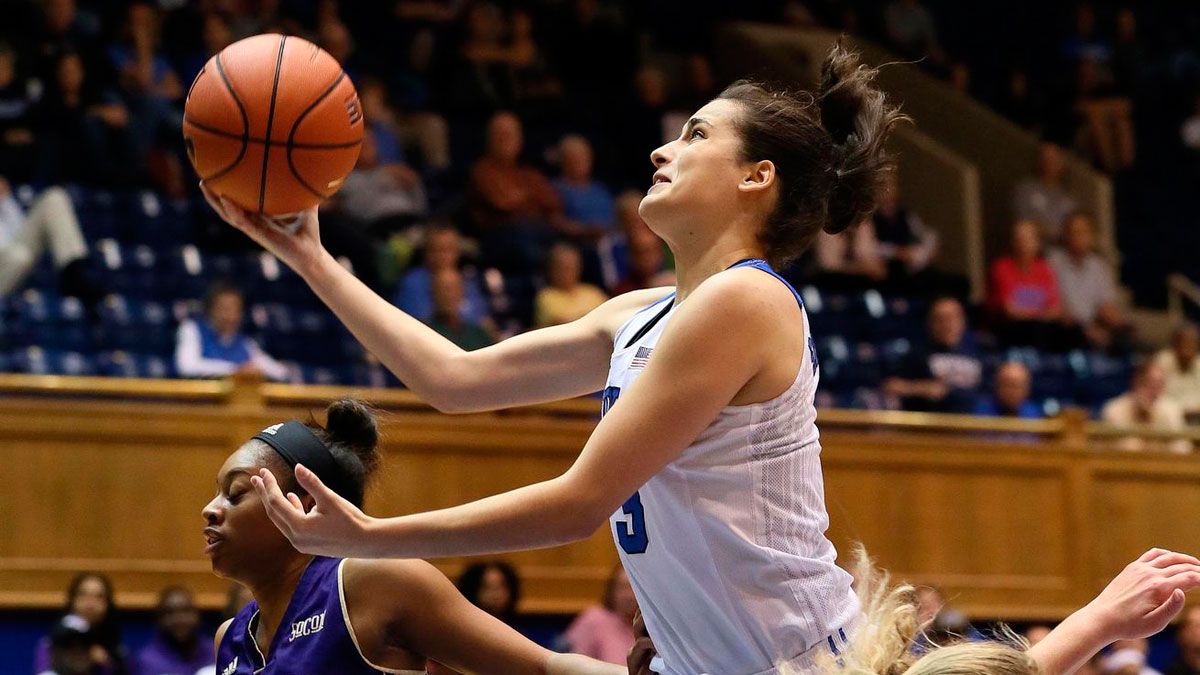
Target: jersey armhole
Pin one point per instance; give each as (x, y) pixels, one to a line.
(629, 322)
(350, 628)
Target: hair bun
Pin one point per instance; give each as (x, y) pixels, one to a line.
(351, 423)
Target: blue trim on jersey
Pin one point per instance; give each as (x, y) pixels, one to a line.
(763, 265)
(656, 303)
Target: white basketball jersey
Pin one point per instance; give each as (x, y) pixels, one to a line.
(726, 547)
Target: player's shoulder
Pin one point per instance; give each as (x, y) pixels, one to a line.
(608, 318)
(743, 291)
(387, 582)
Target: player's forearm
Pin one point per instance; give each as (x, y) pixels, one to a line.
(1070, 645)
(550, 513)
(577, 664)
(417, 354)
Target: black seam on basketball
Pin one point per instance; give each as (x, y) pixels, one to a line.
(257, 139)
(296, 125)
(262, 182)
(245, 124)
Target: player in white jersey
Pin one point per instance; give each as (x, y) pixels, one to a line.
(709, 420)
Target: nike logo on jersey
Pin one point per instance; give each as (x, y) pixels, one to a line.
(312, 624)
(231, 668)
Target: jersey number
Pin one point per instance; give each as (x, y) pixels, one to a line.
(631, 527)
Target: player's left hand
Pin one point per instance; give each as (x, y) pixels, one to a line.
(332, 527)
(1146, 595)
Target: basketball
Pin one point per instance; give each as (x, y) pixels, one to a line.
(273, 123)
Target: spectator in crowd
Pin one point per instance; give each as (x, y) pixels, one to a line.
(178, 647)
(70, 648)
(1044, 197)
(849, 260)
(565, 298)
(605, 631)
(536, 90)
(17, 101)
(907, 247)
(1144, 404)
(215, 35)
(493, 587)
(1187, 637)
(83, 130)
(63, 28)
(910, 29)
(514, 208)
(1021, 103)
(647, 267)
(91, 610)
(50, 224)
(587, 203)
(1181, 363)
(418, 124)
(1010, 397)
(448, 319)
(588, 209)
(642, 126)
(1087, 285)
(942, 624)
(214, 345)
(1023, 292)
(442, 251)
(381, 197)
(616, 258)
(1127, 657)
(945, 374)
(150, 89)
(381, 123)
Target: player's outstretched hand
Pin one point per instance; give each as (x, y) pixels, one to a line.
(333, 527)
(1146, 595)
(296, 241)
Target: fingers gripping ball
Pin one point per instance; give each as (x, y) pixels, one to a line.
(273, 124)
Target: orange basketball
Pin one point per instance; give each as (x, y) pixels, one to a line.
(273, 123)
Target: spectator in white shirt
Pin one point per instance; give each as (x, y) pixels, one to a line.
(214, 345)
(1181, 363)
(1145, 404)
(50, 224)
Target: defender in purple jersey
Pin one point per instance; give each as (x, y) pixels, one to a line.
(325, 616)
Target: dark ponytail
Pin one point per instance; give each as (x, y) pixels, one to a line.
(352, 434)
(858, 118)
(827, 150)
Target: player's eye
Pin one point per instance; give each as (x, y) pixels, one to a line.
(696, 133)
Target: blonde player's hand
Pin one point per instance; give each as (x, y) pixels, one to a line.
(1146, 595)
(332, 527)
(296, 240)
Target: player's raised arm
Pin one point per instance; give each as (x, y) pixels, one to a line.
(715, 347)
(544, 365)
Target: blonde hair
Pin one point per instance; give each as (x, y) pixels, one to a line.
(887, 632)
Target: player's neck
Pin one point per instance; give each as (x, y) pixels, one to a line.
(273, 593)
(692, 268)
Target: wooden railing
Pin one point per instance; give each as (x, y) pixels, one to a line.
(1014, 519)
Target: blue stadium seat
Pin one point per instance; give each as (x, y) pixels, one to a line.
(97, 212)
(131, 270)
(126, 364)
(320, 375)
(136, 325)
(146, 218)
(38, 361)
(49, 321)
(185, 272)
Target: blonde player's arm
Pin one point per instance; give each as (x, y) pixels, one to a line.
(401, 608)
(1139, 602)
(550, 364)
(736, 339)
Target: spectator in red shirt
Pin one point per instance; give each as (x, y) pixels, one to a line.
(1023, 295)
(514, 208)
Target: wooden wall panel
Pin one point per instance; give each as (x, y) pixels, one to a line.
(1018, 524)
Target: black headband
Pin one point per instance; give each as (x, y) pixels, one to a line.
(297, 444)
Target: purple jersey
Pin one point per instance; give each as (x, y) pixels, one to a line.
(315, 636)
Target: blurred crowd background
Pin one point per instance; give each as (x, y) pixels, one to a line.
(497, 190)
